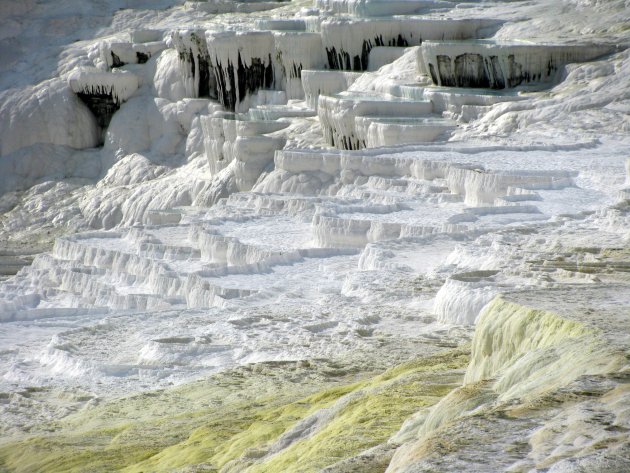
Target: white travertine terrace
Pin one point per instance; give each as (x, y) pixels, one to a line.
(376, 8)
(281, 24)
(195, 64)
(348, 41)
(385, 131)
(337, 115)
(197, 202)
(116, 54)
(501, 65)
(230, 6)
(221, 137)
(316, 83)
(295, 52)
(465, 103)
(119, 85)
(463, 296)
(242, 63)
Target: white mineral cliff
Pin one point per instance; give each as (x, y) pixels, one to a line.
(347, 235)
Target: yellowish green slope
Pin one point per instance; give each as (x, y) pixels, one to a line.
(252, 417)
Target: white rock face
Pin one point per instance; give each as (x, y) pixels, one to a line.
(295, 186)
(120, 86)
(195, 65)
(326, 83)
(296, 52)
(383, 131)
(39, 163)
(487, 64)
(117, 54)
(338, 114)
(225, 138)
(252, 155)
(46, 113)
(376, 8)
(383, 55)
(243, 64)
(348, 42)
(168, 81)
(461, 298)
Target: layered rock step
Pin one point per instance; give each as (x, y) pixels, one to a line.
(348, 41)
(103, 92)
(338, 114)
(500, 65)
(143, 45)
(391, 131)
(378, 8)
(232, 66)
(314, 205)
(467, 104)
(157, 267)
(286, 60)
(230, 138)
(230, 6)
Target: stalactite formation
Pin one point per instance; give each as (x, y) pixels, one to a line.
(195, 63)
(102, 92)
(342, 60)
(499, 66)
(101, 103)
(235, 83)
(276, 264)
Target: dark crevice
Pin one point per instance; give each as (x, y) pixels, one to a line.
(102, 105)
(199, 64)
(445, 71)
(470, 71)
(433, 75)
(478, 71)
(142, 57)
(348, 143)
(116, 62)
(341, 60)
(245, 79)
(496, 74)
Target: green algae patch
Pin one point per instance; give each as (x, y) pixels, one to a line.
(371, 414)
(92, 451)
(506, 331)
(266, 417)
(270, 424)
(244, 431)
(128, 431)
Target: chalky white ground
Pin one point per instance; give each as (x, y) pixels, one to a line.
(330, 250)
